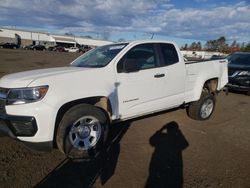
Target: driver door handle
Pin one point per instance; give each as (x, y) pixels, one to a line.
(159, 75)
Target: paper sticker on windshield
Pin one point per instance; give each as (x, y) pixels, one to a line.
(117, 47)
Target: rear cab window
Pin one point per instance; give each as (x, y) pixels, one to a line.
(169, 55)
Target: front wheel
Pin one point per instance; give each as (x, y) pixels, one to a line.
(203, 108)
(82, 132)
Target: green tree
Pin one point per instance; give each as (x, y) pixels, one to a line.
(242, 47)
(217, 45)
(233, 44)
(193, 46)
(211, 45)
(185, 47)
(198, 46)
(221, 44)
(247, 48)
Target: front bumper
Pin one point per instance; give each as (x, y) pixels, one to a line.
(14, 126)
(32, 123)
(239, 83)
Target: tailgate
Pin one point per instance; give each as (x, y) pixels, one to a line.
(223, 68)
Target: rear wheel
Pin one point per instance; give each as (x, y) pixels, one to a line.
(203, 108)
(82, 132)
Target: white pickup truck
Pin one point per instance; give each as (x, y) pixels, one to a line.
(72, 107)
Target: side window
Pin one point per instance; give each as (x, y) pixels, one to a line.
(169, 54)
(142, 55)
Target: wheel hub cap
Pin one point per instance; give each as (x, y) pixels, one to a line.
(207, 108)
(85, 132)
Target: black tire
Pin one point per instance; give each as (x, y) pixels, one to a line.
(248, 93)
(195, 109)
(65, 137)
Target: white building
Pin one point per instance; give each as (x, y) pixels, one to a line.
(33, 37)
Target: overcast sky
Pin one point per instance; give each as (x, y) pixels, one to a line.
(132, 19)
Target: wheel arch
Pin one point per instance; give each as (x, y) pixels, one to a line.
(208, 89)
(210, 84)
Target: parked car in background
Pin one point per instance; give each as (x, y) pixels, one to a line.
(51, 48)
(239, 71)
(9, 45)
(72, 49)
(60, 49)
(84, 49)
(28, 47)
(38, 47)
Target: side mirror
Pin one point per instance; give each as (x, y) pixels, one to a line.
(130, 65)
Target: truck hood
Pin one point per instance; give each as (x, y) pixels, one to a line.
(239, 66)
(23, 79)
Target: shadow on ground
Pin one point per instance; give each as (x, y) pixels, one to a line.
(239, 92)
(166, 166)
(165, 170)
(84, 174)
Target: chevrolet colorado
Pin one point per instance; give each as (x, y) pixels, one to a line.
(72, 107)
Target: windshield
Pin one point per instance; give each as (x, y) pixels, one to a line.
(239, 59)
(98, 57)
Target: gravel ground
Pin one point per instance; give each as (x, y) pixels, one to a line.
(163, 150)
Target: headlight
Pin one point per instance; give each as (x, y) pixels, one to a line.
(26, 95)
(244, 73)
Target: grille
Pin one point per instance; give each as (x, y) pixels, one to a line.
(3, 95)
(231, 72)
(2, 106)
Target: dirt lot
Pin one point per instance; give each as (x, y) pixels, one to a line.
(153, 151)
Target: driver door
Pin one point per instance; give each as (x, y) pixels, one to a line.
(140, 85)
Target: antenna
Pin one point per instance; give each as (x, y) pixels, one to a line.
(152, 36)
